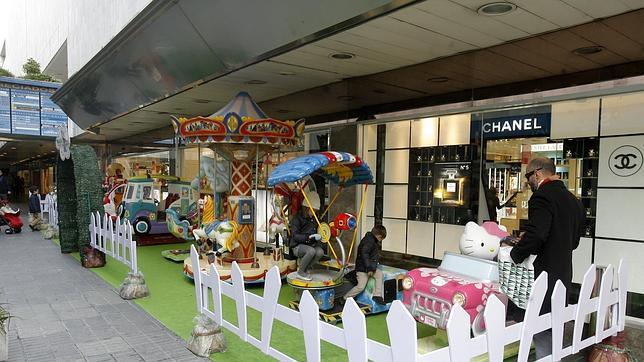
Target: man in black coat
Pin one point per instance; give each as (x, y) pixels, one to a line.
(556, 218)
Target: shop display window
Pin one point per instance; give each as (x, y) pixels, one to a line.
(439, 183)
(582, 157)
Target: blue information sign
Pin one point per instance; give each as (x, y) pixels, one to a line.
(5, 111)
(26, 108)
(51, 116)
(25, 112)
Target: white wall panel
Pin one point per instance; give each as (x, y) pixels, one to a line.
(611, 251)
(611, 168)
(619, 214)
(578, 118)
(370, 136)
(447, 239)
(397, 135)
(420, 238)
(622, 114)
(455, 130)
(424, 132)
(581, 259)
(370, 158)
(370, 201)
(396, 235)
(395, 201)
(396, 166)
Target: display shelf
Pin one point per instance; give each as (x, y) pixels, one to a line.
(584, 154)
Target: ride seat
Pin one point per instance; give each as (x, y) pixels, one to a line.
(170, 199)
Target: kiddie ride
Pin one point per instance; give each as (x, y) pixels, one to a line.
(342, 169)
(241, 133)
(468, 279)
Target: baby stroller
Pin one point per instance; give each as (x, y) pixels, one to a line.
(10, 218)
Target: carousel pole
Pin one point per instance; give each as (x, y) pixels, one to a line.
(266, 194)
(214, 186)
(198, 184)
(255, 263)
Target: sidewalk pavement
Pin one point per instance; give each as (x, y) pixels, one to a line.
(64, 312)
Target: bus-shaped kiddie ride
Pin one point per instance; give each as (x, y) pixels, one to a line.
(147, 198)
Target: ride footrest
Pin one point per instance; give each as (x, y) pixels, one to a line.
(333, 315)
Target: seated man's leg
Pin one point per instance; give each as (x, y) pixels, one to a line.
(362, 283)
(307, 253)
(319, 252)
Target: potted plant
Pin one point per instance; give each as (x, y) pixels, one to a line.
(5, 317)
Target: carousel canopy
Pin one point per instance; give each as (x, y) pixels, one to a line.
(240, 121)
(341, 168)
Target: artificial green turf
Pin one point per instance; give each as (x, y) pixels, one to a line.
(172, 302)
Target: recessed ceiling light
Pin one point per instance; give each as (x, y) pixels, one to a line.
(286, 72)
(593, 49)
(346, 98)
(13, 148)
(438, 79)
(496, 8)
(342, 55)
(255, 81)
(203, 101)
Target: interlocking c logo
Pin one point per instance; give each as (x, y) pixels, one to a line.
(625, 161)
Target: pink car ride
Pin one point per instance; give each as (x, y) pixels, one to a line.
(430, 293)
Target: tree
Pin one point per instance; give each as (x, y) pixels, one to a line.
(32, 71)
(5, 73)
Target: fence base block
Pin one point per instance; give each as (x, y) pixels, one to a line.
(206, 337)
(134, 287)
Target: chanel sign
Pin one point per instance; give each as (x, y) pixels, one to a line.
(625, 161)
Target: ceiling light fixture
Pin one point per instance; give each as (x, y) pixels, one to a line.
(202, 101)
(342, 55)
(286, 72)
(255, 81)
(438, 79)
(593, 49)
(496, 8)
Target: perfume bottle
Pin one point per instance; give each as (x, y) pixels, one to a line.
(418, 202)
(589, 172)
(443, 157)
(431, 158)
(569, 154)
(589, 211)
(589, 192)
(429, 173)
(457, 157)
(418, 173)
(417, 187)
(429, 217)
(589, 230)
(591, 153)
(429, 203)
(417, 216)
(419, 158)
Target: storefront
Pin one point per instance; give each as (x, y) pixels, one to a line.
(437, 172)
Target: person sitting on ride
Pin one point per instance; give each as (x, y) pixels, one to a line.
(305, 239)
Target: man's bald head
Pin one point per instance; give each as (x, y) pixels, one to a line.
(545, 164)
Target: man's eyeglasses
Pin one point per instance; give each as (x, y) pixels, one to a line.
(529, 174)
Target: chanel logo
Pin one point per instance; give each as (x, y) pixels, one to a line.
(625, 161)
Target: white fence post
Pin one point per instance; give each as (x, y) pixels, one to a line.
(114, 238)
(272, 287)
(402, 333)
(309, 312)
(494, 316)
(585, 306)
(196, 276)
(240, 300)
(532, 322)
(355, 331)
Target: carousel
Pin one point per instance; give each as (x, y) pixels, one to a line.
(241, 134)
(340, 168)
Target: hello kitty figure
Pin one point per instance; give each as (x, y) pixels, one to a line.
(482, 241)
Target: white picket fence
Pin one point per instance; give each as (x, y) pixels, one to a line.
(49, 206)
(402, 326)
(114, 238)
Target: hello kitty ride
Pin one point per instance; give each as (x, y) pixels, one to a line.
(467, 279)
